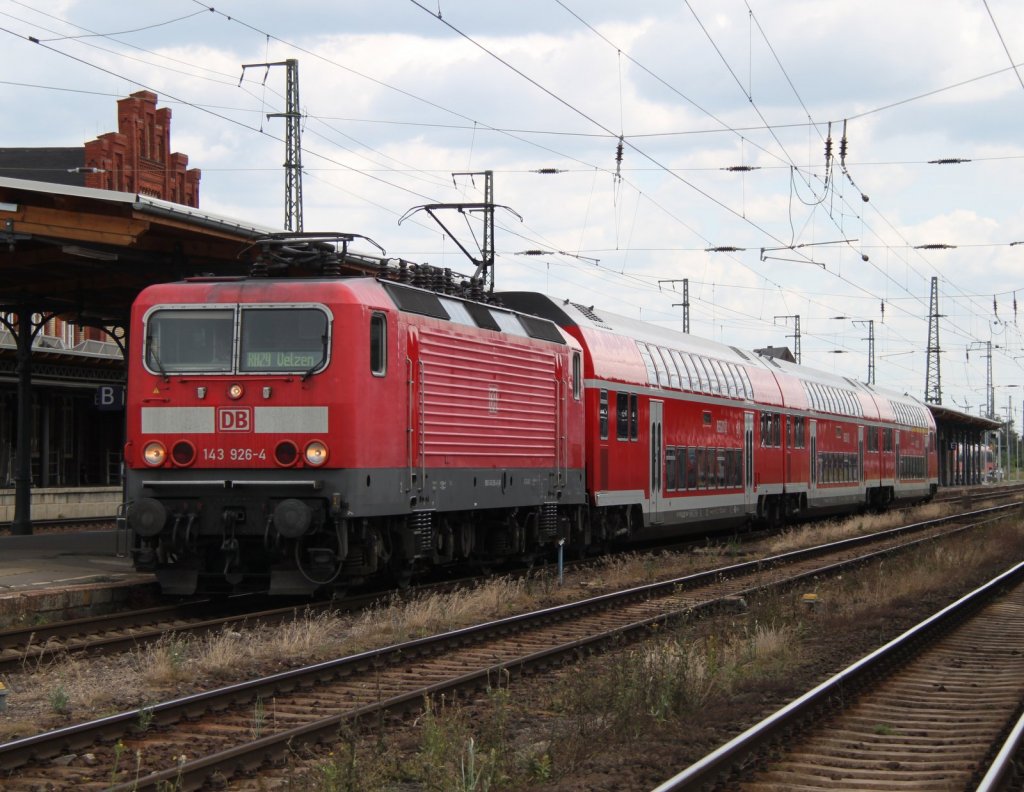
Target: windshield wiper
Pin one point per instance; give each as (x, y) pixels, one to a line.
(151, 354)
(323, 357)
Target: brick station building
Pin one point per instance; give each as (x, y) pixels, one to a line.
(76, 436)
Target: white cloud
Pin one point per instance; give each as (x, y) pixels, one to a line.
(397, 101)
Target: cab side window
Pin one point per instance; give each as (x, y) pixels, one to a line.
(378, 345)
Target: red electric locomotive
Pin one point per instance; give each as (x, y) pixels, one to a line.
(293, 433)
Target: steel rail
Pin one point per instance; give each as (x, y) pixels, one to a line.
(1006, 762)
(721, 762)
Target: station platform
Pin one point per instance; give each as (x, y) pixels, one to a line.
(57, 576)
(65, 503)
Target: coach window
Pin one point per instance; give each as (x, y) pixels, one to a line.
(712, 376)
(776, 431)
(603, 414)
(670, 469)
(701, 381)
(723, 384)
(691, 369)
(634, 417)
(748, 389)
(659, 366)
(622, 416)
(733, 374)
(652, 373)
(577, 376)
(691, 468)
(684, 374)
(670, 366)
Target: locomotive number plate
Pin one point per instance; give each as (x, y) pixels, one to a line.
(234, 454)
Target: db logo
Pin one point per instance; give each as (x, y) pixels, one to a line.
(234, 419)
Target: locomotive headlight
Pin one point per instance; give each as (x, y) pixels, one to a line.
(235, 391)
(316, 453)
(154, 454)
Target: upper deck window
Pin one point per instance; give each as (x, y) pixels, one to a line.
(645, 353)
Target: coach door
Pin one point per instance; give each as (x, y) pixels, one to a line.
(813, 446)
(748, 461)
(860, 454)
(656, 456)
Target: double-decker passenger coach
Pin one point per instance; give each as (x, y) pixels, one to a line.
(295, 433)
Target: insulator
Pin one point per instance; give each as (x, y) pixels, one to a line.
(332, 267)
(259, 268)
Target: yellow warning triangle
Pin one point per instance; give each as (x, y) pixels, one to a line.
(156, 390)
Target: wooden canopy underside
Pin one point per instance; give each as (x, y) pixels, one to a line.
(85, 254)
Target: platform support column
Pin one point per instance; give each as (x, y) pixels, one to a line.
(22, 524)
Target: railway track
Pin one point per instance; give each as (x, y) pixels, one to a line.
(928, 711)
(126, 630)
(244, 726)
(66, 524)
(978, 493)
(118, 632)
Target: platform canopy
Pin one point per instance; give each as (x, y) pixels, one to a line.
(959, 418)
(84, 254)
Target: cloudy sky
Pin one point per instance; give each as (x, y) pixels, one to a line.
(723, 110)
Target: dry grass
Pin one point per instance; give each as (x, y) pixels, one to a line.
(402, 620)
(917, 574)
(63, 689)
(811, 534)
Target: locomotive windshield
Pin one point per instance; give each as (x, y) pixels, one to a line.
(180, 340)
(283, 339)
(203, 340)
